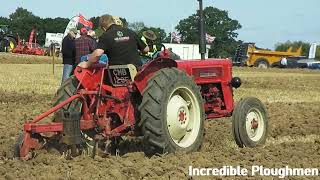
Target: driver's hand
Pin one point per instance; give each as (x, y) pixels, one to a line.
(84, 65)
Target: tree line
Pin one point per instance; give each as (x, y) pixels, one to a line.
(217, 23)
(295, 45)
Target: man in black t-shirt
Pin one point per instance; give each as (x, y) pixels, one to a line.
(120, 44)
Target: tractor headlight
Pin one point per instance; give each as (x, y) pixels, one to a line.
(235, 82)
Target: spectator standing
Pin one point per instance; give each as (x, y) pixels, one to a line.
(84, 45)
(68, 54)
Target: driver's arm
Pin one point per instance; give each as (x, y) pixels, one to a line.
(92, 59)
(145, 50)
(95, 56)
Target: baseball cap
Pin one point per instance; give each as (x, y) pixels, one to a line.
(83, 31)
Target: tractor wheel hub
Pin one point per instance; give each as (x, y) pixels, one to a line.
(183, 117)
(254, 124)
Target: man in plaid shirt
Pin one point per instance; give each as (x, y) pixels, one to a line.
(84, 45)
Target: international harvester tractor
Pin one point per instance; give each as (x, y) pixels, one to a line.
(164, 103)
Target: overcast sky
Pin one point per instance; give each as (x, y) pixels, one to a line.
(265, 22)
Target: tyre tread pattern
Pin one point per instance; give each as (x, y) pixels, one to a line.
(152, 109)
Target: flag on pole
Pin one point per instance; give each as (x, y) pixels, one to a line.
(176, 37)
(73, 24)
(210, 38)
(86, 23)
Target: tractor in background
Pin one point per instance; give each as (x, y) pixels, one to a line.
(31, 47)
(7, 40)
(247, 54)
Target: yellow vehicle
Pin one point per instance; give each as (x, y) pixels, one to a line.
(249, 55)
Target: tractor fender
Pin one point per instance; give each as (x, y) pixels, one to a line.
(90, 78)
(148, 70)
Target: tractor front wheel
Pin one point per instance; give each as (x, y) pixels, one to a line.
(250, 123)
(172, 115)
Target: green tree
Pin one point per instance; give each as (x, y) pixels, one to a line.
(95, 22)
(218, 24)
(22, 22)
(4, 21)
(49, 25)
(295, 45)
(318, 53)
(136, 26)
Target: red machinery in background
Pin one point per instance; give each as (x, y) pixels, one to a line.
(31, 47)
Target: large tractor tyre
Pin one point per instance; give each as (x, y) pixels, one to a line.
(250, 123)
(67, 89)
(262, 63)
(172, 115)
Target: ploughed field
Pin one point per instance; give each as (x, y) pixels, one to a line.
(292, 98)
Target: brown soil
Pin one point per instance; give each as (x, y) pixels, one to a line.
(293, 140)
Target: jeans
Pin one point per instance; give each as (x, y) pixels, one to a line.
(67, 70)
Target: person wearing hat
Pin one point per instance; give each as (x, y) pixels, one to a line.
(120, 44)
(68, 54)
(84, 45)
(149, 37)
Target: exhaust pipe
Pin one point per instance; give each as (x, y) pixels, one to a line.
(202, 42)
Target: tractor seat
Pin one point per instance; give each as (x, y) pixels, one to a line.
(118, 75)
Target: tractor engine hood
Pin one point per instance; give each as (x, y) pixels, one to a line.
(207, 71)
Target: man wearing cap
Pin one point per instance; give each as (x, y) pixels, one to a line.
(120, 44)
(68, 54)
(84, 45)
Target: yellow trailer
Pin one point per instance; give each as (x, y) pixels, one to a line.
(248, 54)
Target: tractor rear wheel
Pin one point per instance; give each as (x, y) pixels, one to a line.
(250, 123)
(172, 115)
(68, 89)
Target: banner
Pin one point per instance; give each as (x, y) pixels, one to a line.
(53, 38)
(73, 23)
(86, 23)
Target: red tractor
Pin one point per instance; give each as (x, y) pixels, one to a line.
(166, 102)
